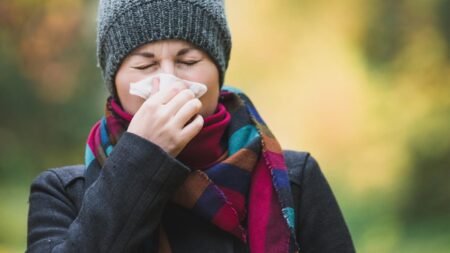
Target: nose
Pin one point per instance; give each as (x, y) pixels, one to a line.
(168, 67)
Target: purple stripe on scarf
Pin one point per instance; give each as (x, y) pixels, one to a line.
(209, 202)
(277, 240)
(230, 176)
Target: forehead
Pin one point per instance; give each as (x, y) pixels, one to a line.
(165, 46)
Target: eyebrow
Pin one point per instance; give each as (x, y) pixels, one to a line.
(152, 55)
(144, 54)
(185, 51)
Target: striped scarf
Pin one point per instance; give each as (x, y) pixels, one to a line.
(251, 184)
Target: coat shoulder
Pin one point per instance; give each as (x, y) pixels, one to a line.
(65, 175)
(298, 162)
(68, 174)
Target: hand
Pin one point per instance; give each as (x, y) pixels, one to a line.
(168, 118)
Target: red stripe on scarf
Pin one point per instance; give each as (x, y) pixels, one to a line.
(237, 200)
(225, 218)
(205, 149)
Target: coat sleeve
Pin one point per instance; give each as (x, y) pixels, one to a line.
(121, 209)
(321, 225)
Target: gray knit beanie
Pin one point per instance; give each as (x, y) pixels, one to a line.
(124, 25)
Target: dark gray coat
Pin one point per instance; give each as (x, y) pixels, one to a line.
(119, 208)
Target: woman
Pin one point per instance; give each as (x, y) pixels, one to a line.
(176, 173)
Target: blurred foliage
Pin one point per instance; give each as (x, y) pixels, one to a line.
(45, 112)
(428, 195)
(363, 85)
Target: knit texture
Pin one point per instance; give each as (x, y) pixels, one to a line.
(126, 25)
(247, 194)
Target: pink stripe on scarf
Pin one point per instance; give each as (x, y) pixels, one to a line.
(261, 191)
(98, 144)
(122, 113)
(277, 160)
(91, 138)
(115, 128)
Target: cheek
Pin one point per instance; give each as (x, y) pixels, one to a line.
(130, 103)
(210, 77)
(210, 99)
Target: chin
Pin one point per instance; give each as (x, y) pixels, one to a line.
(206, 113)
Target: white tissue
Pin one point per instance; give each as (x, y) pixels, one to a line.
(143, 88)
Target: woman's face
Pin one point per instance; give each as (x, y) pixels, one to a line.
(176, 57)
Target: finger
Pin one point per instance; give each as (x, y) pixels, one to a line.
(178, 84)
(155, 85)
(192, 129)
(184, 96)
(165, 95)
(186, 112)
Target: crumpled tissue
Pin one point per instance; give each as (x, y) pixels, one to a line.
(143, 88)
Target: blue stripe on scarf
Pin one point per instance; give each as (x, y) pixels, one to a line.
(255, 114)
(289, 215)
(209, 202)
(88, 156)
(104, 134)
(109, 149)
(230, 176)
(281, 177)
(281, 181)
(241, 138)
(231, 89)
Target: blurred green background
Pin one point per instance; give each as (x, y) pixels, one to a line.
(363, 85)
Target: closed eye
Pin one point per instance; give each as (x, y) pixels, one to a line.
(144, 66)
(189, 63)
